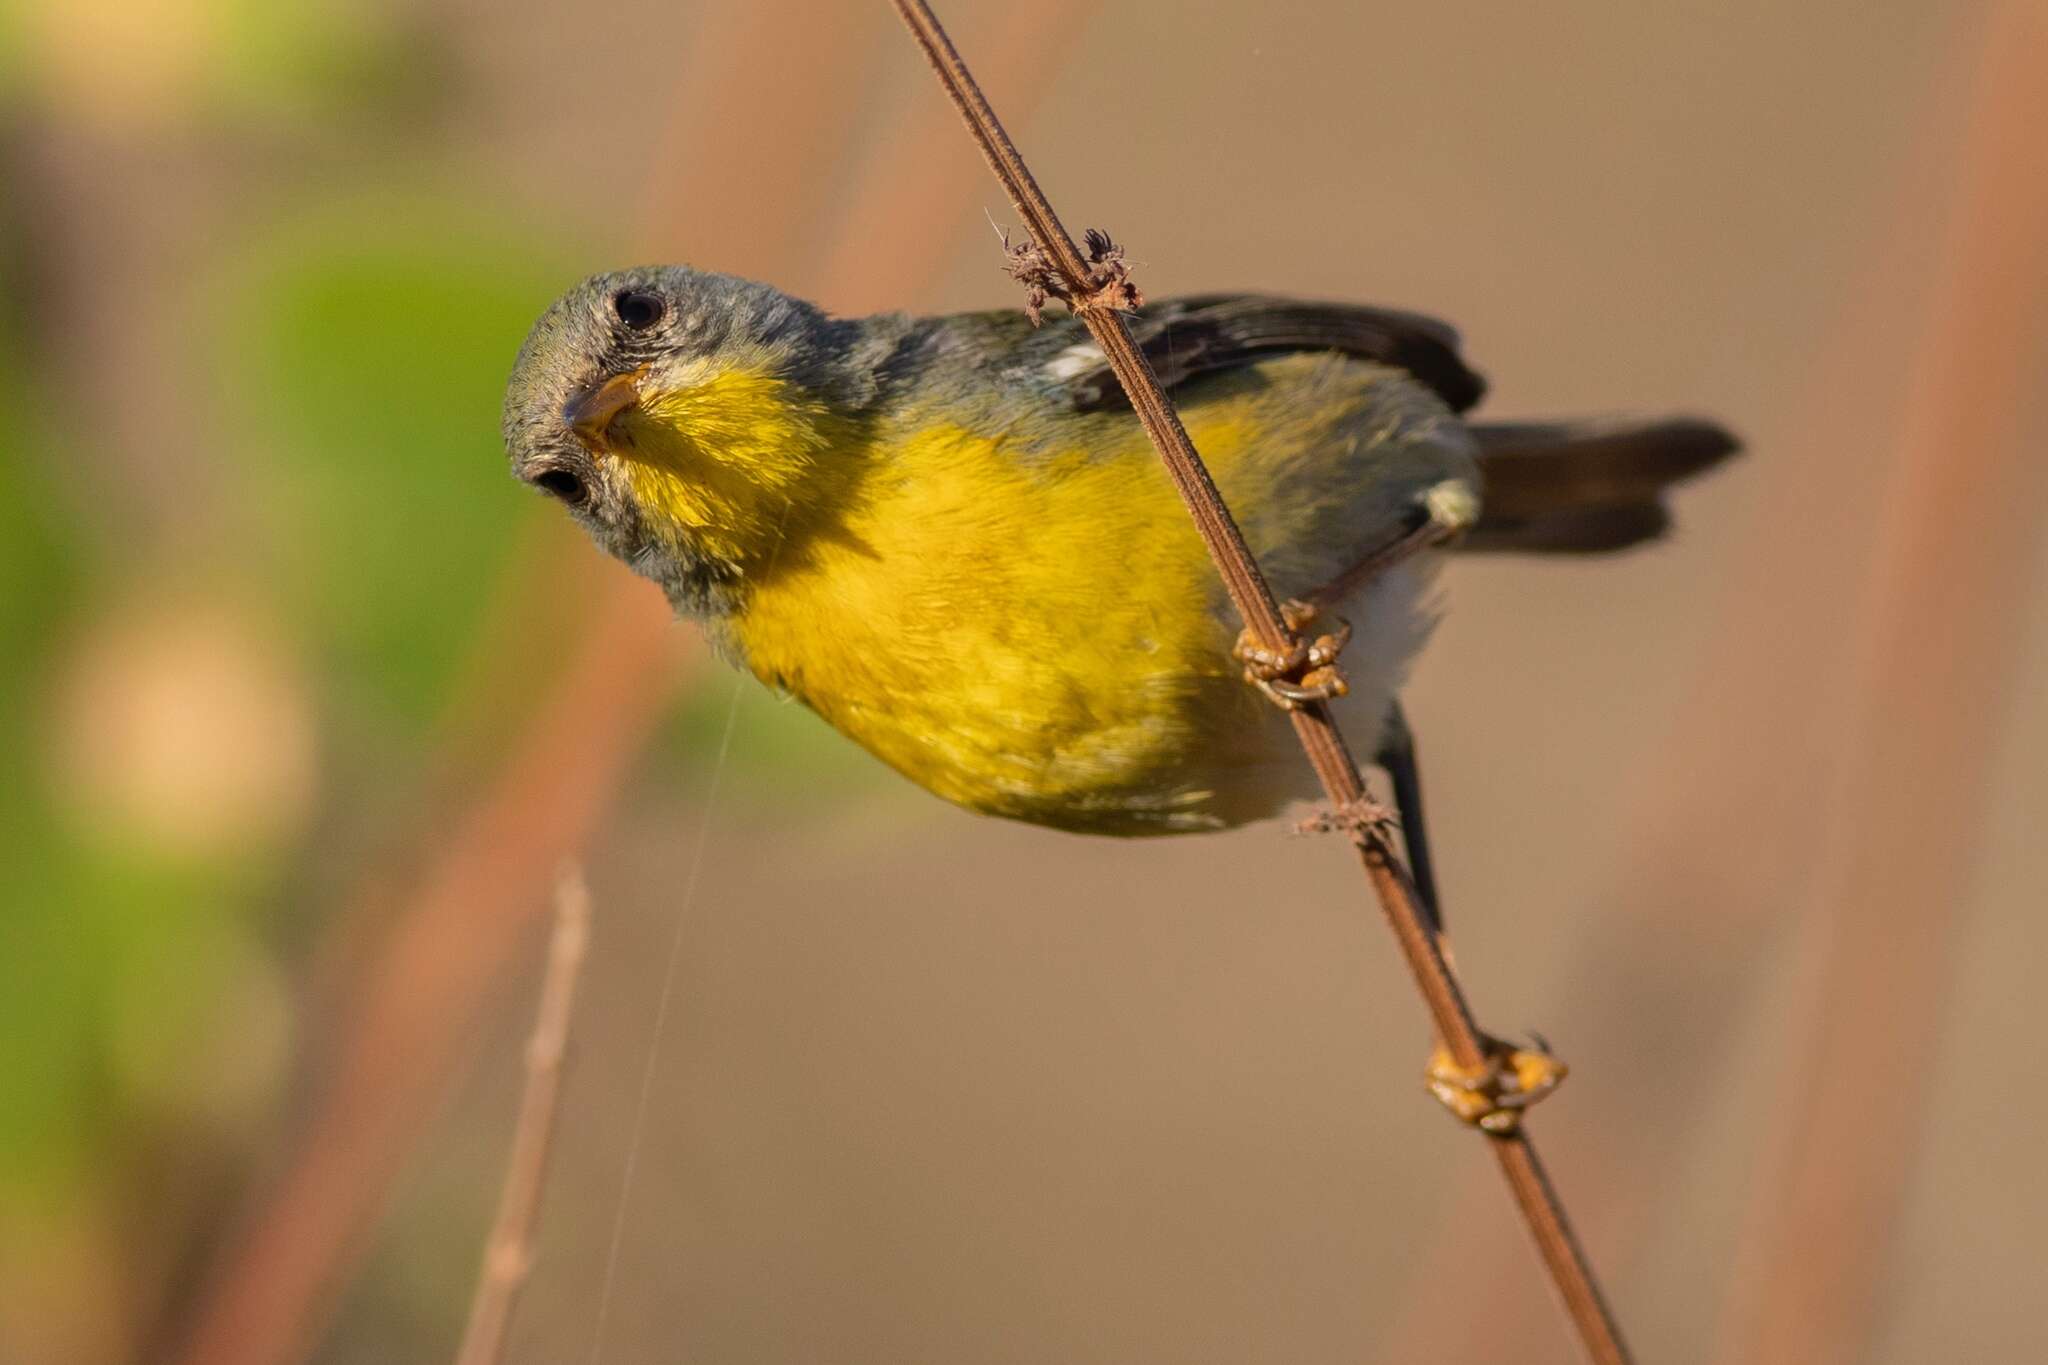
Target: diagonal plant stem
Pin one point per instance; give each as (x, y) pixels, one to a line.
(508, 1253)
(1468, 1049)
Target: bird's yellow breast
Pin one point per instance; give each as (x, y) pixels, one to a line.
(1033, 646)
(1037, 632)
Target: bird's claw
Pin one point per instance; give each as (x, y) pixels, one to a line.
(1306, 670)
(1492, 1096)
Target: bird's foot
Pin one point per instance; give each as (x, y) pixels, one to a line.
(1493, 1095)
(1306, 670)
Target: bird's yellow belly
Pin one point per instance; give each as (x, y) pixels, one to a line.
(1047, 651)
(1040, 635)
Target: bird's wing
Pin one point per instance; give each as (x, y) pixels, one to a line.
(1187, 337)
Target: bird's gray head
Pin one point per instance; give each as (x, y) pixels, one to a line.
(679, 414)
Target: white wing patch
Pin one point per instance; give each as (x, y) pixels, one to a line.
(1074, 360)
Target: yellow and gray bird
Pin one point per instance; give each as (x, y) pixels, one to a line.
(950, 537)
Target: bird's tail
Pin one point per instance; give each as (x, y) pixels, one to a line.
(1584, 487)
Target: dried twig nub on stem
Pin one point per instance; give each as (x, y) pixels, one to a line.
(509, 1251)
(1095, 286)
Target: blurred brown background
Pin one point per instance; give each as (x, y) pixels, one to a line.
(304, 699)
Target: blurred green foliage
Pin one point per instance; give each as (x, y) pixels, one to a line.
(310, 60)
(362, 352)
(356, 350)
(43, 1048)
(361, 356)
(357, 347)
(349, 328)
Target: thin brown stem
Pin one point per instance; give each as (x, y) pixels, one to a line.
(455, 936)
(509, 1252)
(1320, 738)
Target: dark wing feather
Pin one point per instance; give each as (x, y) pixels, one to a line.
(1187, 337)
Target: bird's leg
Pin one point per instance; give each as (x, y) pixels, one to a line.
(1397, 757)
(1305, 671)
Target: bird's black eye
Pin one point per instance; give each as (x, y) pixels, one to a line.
(639, 309)
(562, 484)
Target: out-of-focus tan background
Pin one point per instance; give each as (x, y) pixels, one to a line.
(304, 700)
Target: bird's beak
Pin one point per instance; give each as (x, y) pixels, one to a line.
(590, 412)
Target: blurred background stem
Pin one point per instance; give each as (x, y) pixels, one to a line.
(1959, 536)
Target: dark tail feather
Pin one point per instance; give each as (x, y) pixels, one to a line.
(1583, 487)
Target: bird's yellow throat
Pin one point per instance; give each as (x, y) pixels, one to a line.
(716, 460)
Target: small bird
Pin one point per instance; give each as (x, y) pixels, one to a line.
(950, 537)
